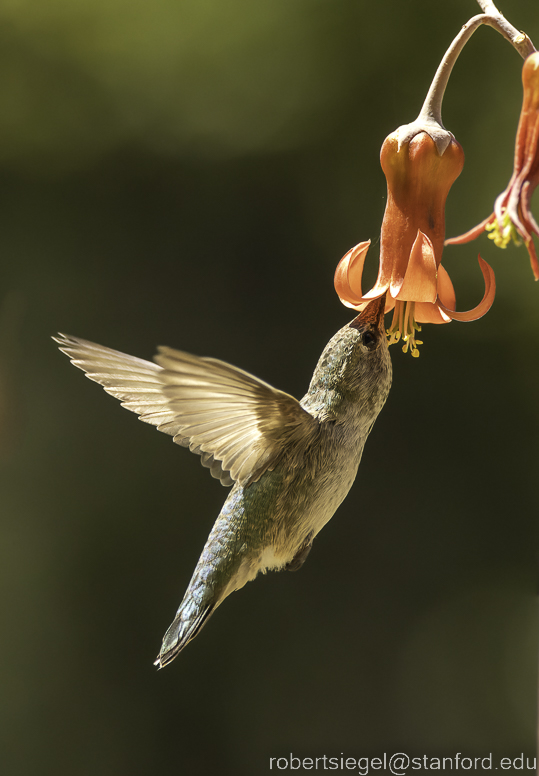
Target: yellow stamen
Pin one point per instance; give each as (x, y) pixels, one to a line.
(502, 233)
(404, 325)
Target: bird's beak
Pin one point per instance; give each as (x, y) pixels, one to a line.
(373, 314)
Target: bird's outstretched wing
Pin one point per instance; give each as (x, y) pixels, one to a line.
(238, 424)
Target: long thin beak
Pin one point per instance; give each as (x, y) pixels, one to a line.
(373, 314)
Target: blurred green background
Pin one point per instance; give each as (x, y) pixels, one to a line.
(189, 173)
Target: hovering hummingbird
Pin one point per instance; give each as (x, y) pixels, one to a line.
(290, 463)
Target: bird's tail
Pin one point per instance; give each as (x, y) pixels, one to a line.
(185, 626)
(220, 570)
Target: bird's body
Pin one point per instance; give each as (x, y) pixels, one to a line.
(291, 463)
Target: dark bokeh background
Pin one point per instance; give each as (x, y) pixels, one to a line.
(189, 173)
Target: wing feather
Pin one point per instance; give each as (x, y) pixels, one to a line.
(237, 423)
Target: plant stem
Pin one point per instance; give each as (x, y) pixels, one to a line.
(432, 107)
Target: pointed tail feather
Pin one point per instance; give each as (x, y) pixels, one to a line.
(181, 632)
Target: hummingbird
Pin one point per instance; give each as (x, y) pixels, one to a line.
(290, 463)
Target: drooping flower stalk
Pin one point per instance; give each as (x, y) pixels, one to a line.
(430, 115)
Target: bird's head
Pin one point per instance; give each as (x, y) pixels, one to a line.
(355, 367)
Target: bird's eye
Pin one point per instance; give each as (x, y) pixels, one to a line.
(369, 339)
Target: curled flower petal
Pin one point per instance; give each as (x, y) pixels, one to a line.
(484, 305)
(525, 196)
(471, 235)
(419, 283)
(390, 303)
(431, 313)
(446, 292)
(348, 274)
(533, 258)
(527, 191)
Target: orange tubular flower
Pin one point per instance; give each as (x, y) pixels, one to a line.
(512, 218)
(418, 287)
